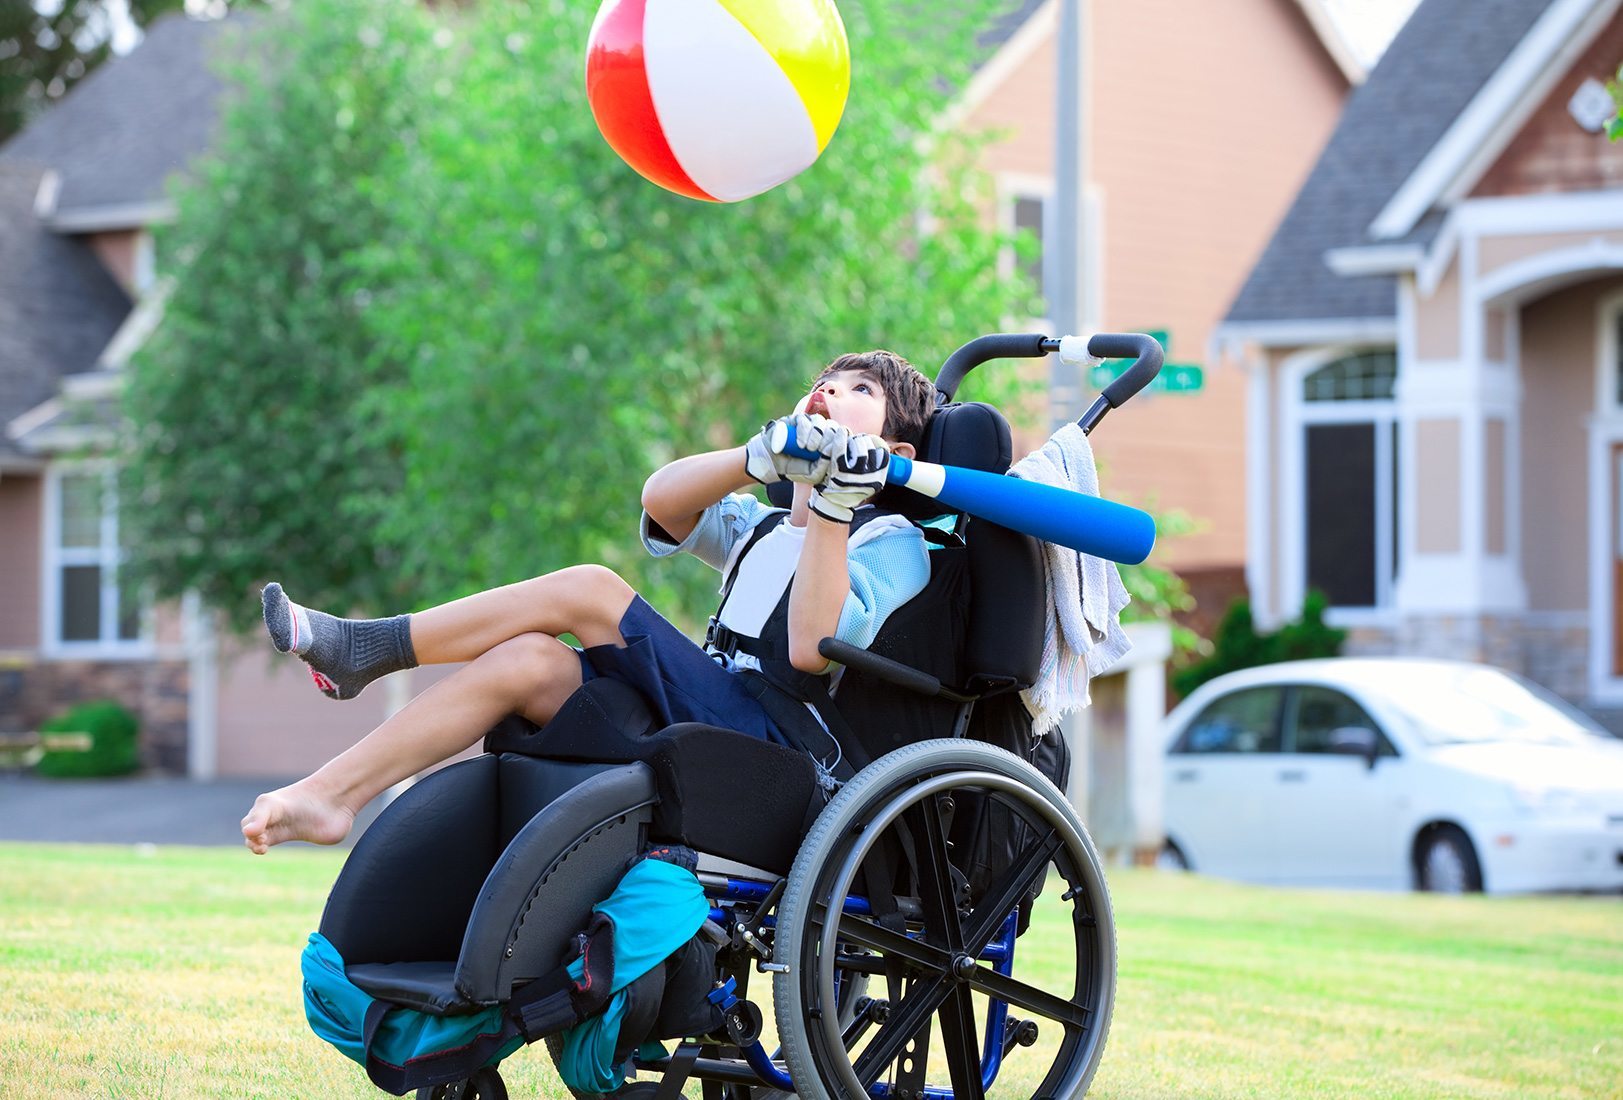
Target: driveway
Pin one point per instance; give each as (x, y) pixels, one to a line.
(137, 810)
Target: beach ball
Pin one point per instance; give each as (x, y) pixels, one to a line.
(718, 100)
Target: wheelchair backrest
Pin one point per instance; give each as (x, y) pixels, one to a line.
(980, 619)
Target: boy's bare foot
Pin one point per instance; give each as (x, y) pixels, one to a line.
(344, 655)
(295, 813)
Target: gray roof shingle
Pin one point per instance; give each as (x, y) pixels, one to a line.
(58, 306)
(119, 135)
(1434, 67)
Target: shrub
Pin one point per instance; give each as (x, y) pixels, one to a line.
(1237, 644)
(112, 750)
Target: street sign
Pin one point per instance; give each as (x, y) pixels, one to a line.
(1174, 377)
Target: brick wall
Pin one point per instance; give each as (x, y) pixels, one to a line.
(156, 692)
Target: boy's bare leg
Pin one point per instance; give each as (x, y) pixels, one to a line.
(347, 654)
(587, 601)
(531, 674)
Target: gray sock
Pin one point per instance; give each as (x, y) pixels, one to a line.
(344, 654)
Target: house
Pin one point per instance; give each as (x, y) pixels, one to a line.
(1195, 155)
(1203, 120)
(1433, 341)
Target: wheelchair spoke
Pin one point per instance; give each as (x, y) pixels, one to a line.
(994, 908)
(936, 894)
(1030, 998)
(922, 998)
(894, 945)
(961, 1040)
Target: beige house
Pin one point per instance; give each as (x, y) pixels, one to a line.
(1195, 155)
(1434, 343)
(1203, 121)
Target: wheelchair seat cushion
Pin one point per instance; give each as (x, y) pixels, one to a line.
(720, 792)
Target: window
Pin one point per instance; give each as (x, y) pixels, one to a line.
(1350, 479)
(1365, 376)
(88, 606)
(1246, 721)
(1028, 223)
(1320, 711)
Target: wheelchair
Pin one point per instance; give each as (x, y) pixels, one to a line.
(886, 916)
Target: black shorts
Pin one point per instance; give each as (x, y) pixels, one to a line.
(680, 681)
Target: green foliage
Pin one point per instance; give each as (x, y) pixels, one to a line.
(251, 455)
(1159, 594)
(1614, 128)
(429, 334)
(1238, 645)
(112, 751)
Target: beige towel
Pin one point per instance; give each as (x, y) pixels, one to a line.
(1082, 635)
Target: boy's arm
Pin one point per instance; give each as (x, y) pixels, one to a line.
(822, 581)
(678, 492)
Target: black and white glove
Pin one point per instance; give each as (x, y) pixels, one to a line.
(766, 464)
(857, 473)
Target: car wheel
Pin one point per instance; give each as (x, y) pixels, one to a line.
(1171, 858)
(1447, 864)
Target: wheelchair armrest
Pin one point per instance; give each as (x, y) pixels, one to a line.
(888, 670)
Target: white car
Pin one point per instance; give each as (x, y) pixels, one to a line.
(1391, 774)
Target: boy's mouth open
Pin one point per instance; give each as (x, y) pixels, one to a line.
(817, 405)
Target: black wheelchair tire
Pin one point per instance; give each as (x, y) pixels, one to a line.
(909, 781)
(485, 1084)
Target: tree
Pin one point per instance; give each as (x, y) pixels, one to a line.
(429, 334)
(250, 453)
(48, 46)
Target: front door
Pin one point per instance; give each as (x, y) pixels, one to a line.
(1615, 544)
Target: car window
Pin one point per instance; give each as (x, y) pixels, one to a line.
(1320, 711)
(1245, 721)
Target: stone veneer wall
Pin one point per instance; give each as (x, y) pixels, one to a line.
(156, 692)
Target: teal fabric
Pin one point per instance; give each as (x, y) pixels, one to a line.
(656, 908)
(336, 1008)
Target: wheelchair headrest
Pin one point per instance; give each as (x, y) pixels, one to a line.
(970, 434)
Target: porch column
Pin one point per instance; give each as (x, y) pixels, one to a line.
(1459, 547)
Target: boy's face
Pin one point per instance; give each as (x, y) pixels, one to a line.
(852, 398)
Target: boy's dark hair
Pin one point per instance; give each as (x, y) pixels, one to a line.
(910, 398)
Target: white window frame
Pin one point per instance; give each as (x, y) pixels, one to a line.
(1011, 187)
(1298, 414)
(1605, 513)
(55, 558)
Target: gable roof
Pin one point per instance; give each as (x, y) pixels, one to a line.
(123, 130)
(1433, 69)
(58, 306)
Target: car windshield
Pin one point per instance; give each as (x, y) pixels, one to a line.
(1449, 706)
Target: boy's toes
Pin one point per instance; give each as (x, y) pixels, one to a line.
(279, 621)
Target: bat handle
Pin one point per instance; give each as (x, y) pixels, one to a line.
(782, 441)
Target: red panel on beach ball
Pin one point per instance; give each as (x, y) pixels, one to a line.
(617, 88)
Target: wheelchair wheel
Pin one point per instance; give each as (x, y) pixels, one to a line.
(930, 971)
(485, 1084)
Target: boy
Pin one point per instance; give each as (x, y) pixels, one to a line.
(826, 571)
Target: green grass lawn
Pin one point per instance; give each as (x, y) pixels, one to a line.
(173, 972)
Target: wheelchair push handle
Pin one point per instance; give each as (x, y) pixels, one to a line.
(1140, 347)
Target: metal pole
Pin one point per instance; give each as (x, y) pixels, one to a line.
(1073, 302)
(1071, 305)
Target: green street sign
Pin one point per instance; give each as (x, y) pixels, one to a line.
(1174, 377)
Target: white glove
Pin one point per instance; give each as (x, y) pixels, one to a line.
(814, 433)
(764, 463)
(857, 474)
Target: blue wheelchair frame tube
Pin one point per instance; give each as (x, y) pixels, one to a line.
(1000, 952)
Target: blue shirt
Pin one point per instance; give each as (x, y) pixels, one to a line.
(887, 560)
